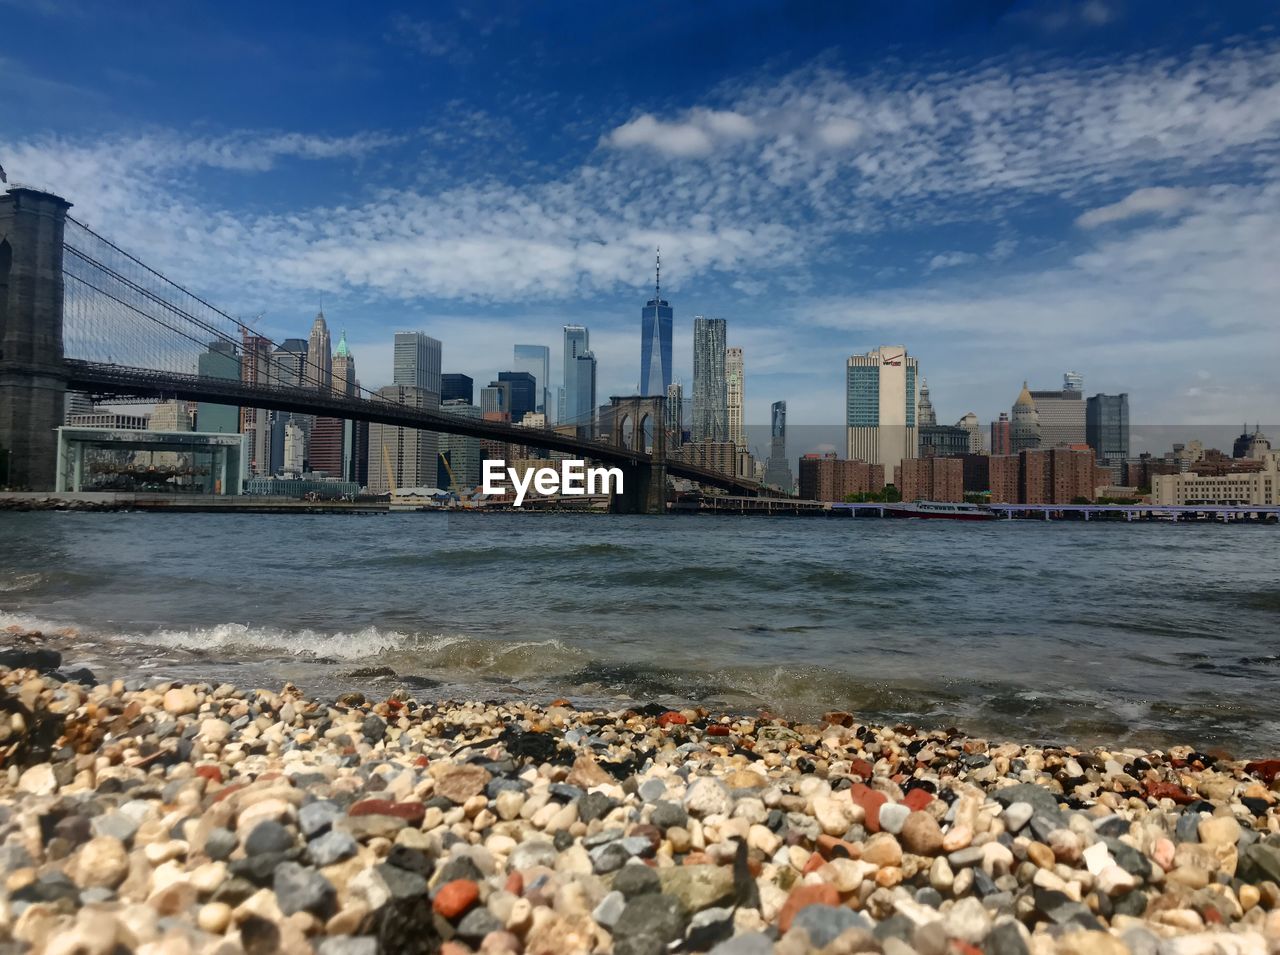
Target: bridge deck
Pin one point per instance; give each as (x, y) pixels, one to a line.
(118, 380)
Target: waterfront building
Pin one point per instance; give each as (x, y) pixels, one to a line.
(825, 477)
(656, 320)
(523, 389)
(880, 407)
(925, 415)
(1046, 476)
(970, 424)
(219, 361)
(675, 415)
(577, 342)
(408, 452)
(299, 488)
(930, 479)
(536, 361)
(1062, 417)
(1251, 446)
(1241, 488)
(319, 372)
(456, 387)
(1002, 435)
(1024, 426)
(943, 441)
(416, 361)
(710, 389)
(735, 397)
(777, 471)
(458, 453)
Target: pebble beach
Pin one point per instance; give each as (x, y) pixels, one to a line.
(166, 819)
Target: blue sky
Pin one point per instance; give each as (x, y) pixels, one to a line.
(1010, 189)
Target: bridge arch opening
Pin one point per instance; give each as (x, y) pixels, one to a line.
(626, 432)
(645, 434)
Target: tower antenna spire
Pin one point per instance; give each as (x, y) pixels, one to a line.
(657, 278)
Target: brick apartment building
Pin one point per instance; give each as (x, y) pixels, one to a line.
(824, 477)
(930, 479)
(1045, 476)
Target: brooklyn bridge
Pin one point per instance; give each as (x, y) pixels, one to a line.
(79, 314)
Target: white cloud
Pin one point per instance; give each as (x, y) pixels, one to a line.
(792, 174)
(694, 136)
(1158, 200)
(948, 260)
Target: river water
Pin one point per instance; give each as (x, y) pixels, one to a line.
(1063, 631)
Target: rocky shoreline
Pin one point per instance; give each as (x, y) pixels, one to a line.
(166, 819)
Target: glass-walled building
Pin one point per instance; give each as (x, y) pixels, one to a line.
(150, 462)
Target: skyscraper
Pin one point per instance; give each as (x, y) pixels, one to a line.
(1024, 424)
(344, 368)
(1072, 381)
(333, 439)
(417, 361)
(220, 361)
(459, 465)
(584, 382)
(410, 453)
(880, 406)
(735, 397)
(495, 399)
(319, 371)
(1106, 424)
(536, 360)
(288, 368)
(1061, 415)
(777, 472)
(656, 318)
(577, 342)
(675, 415)
(524, 393)
(710, 390)
(255, 369)
(456, 387)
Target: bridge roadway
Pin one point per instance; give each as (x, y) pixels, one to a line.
(122, 381)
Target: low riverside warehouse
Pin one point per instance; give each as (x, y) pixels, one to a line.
(1243, 488)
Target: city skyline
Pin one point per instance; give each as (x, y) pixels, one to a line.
(788, 181)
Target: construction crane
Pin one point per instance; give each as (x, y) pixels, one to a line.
(386, 463)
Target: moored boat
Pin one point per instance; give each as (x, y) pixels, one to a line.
(943, 510)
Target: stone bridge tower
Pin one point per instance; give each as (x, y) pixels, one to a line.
(32, 378)
(639, 423)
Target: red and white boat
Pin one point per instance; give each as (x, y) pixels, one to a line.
(939, 510)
